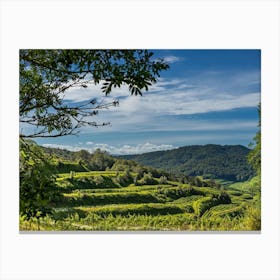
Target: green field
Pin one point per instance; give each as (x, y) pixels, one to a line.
(95, 200)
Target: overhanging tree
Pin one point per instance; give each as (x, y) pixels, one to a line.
(47, 75)
(45, 78)
(254, 157)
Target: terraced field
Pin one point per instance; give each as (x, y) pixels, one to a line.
(96, 201)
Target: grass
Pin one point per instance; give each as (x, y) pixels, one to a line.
(133, 222)
(138, 209)
(89, 205)
(90, 174)
(223, 210)
(75, 199)
(252, 186)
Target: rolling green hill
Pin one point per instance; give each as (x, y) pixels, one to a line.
(85, 191)
(227, 162)
(88, 203)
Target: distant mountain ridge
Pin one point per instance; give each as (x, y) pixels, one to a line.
(228, 162)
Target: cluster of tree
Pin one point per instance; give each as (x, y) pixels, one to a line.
(64, 161)
(227, 162)
(68, 161)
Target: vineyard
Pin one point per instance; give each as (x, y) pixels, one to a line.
(100, 201)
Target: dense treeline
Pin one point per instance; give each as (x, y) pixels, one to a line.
(64, 161)
(227, 162)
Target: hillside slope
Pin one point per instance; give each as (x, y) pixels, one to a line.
(96, 200)
(227, 162)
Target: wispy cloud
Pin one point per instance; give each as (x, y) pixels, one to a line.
(65, 147)
(116, 150)
(208, 91)
(184, 103)
(171, 59)
(171, 127)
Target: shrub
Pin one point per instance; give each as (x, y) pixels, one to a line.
(109, 198)
(178, 192)
(162, 180)
(188, 209)
(139, 209)
(224, 198)
(99, 180)
(148, 180)
(197, 182)
(125, 179)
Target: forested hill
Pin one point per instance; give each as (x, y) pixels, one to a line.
(227, 162)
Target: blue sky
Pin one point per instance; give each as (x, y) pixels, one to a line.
(207, 96)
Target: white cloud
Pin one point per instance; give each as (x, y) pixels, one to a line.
(148, 123)
(79, 94)
(116, 150)
(171, 59)
(206, 92)
(142, 148)
(132, 149)
(66, 147)
(181, 103)
(89, 143)
(192, 104)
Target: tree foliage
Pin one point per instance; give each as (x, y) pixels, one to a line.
(254, 157)
(37, 182)
(227, 162)
(47, 75)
